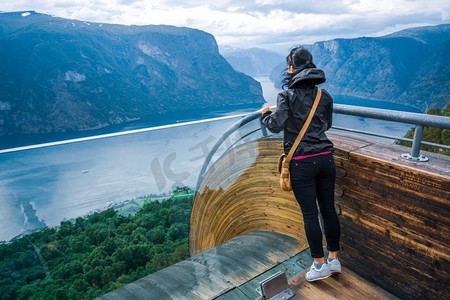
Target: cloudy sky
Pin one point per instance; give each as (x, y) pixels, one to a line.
(272, 24)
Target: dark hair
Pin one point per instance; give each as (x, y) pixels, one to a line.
(299, 58)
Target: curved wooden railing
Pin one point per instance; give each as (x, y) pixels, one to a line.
(241, 193)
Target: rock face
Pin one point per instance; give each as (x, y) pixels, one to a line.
(66, 75)
(410, 67)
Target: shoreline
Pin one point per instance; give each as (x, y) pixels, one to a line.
(113, 205)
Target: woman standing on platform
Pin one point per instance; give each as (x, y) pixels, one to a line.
(312, 167)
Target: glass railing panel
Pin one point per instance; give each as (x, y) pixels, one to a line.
(243, 133)
(240, 135)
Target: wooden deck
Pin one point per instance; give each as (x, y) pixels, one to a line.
(394, 213)
(347, 285)
(234, 270)
(395, 228)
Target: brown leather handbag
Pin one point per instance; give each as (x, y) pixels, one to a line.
(285, 159)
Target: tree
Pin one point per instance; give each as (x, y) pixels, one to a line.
(181, 253)
(177, 231)
(84, 258)
(433, 135)
(27, 291)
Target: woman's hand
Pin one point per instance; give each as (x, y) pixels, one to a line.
(265, 109)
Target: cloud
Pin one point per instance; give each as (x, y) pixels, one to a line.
(272, 24)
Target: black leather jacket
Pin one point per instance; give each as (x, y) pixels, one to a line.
(293, 107)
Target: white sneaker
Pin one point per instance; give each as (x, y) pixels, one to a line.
(318, 274)
(335, 266)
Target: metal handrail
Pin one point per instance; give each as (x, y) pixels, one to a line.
(109, 135)
(393, 115)
(418, 119)
(390, 137)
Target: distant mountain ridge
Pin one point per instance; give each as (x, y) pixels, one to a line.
(255, 62)
(409, 67)
(66, 75)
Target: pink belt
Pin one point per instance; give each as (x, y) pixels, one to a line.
(310, 155)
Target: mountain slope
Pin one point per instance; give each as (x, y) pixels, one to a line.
(409, 67)
(65, 75)
(253, 61)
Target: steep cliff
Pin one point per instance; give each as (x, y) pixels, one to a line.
(65, 75)
(409, 67)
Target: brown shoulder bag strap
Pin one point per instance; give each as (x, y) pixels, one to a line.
(304, 127)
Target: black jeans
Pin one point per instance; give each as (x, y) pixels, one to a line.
(313, 178)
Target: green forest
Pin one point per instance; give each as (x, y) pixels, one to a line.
(433, 135)
(90, 256)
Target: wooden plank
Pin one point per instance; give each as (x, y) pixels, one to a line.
(237, 266)
(423, 228)
(297, 263)
(234, 294)
(135, 291)
(345, 143)
(408, 285)
(347, 285)
(371, 251)
(403, 178)
(429, 212)
(396, 216)
(438, 164)
(179, 281)
(240, 193)
(379, 253)
(217, 271)
(246, 256)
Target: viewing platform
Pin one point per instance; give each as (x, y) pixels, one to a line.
(392, 202)
(234, 269)
(394, 216)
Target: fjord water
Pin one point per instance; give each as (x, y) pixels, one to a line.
(47, 185)
(71, 180)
